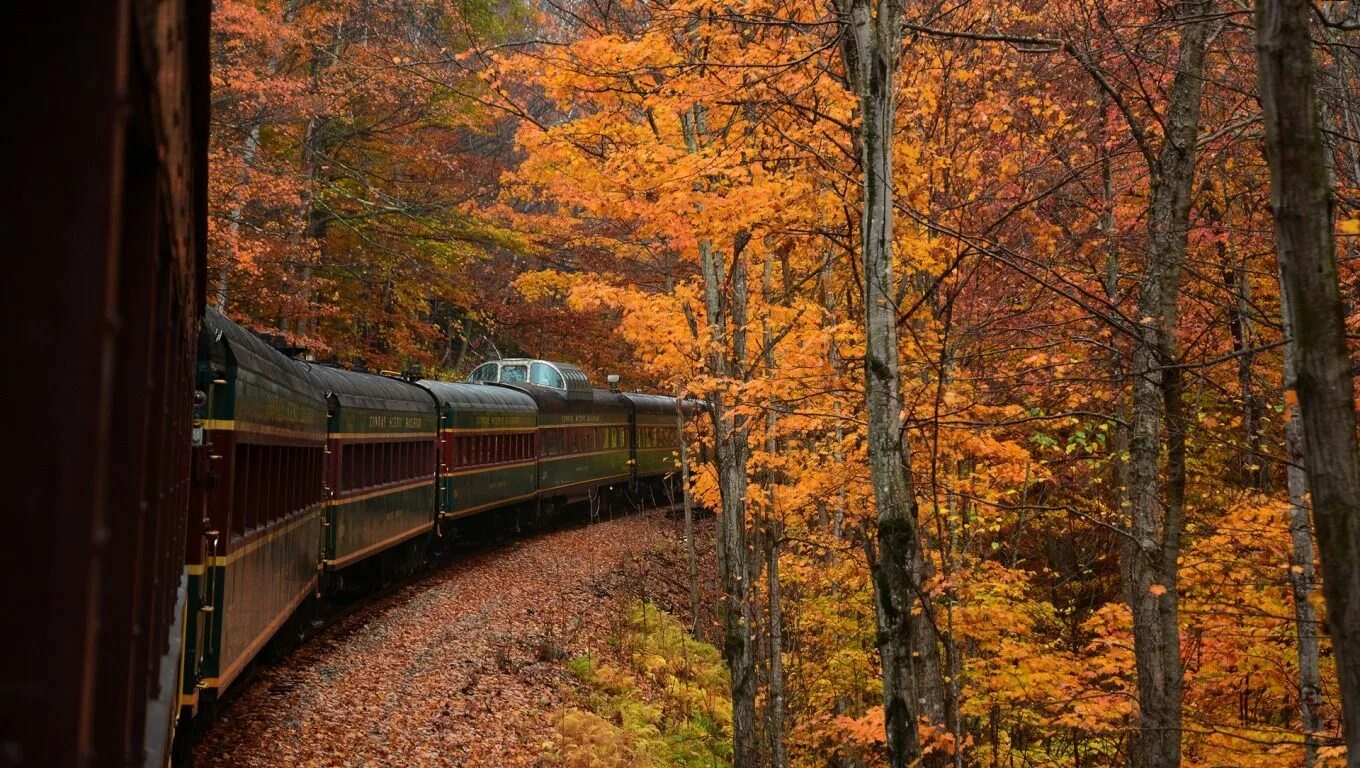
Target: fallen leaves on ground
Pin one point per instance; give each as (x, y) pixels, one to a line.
(464, 668)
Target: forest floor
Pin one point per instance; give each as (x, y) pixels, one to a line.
(465, 667)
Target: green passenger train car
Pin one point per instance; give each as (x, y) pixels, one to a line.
(656, 433)
(487, 446)
(381, 463)
(584, 433)
(255, 538)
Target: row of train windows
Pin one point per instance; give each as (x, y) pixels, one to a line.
(658, 437)
(367, 465)
(568, 440)
(271, 482)
(479, 450)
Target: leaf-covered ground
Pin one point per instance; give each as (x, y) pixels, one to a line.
(467, 667)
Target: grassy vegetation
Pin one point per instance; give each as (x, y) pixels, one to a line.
(667, 703)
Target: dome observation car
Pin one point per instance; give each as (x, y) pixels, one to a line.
(563, 377)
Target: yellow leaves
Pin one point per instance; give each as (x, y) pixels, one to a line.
(544, 284)
(1348, 226)
(1157, 590)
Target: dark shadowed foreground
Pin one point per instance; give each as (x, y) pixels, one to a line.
(463, 668)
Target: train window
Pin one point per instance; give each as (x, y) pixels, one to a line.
(484, 372)
(346, 467)
(269, 477)
(514, 373)
(240, 488)
(546, 375)
(288, 500)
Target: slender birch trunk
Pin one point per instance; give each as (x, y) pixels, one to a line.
(1302, 575)
(897, 561)
(691, 555)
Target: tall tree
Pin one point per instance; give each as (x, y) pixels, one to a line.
(1153, 549)
(725, 307)
(1301, 200)
(872, 43)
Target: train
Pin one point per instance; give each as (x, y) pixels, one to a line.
(106, 230)
(313, 480)
(183, 490)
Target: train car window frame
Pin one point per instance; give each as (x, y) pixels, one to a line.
(545, 375)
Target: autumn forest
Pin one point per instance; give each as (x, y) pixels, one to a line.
(1026, 333)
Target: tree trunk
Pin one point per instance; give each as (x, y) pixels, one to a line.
(896, 559)
(779, 757)
(1301, 198)
(774, 725)
(1150, 557)
(691, 556)
(725, 307)
(1253, 471)
(252, 143)
(1302, 579)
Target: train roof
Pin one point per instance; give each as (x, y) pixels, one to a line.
(656, 404)
(352, 389)
(482, 397)
(250, 352)
(553, 400)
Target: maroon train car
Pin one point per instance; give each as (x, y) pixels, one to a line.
(104, 245)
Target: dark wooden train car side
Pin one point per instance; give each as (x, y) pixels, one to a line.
(254, 559)
(488, 447)
(381, 467)
(105, 227)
